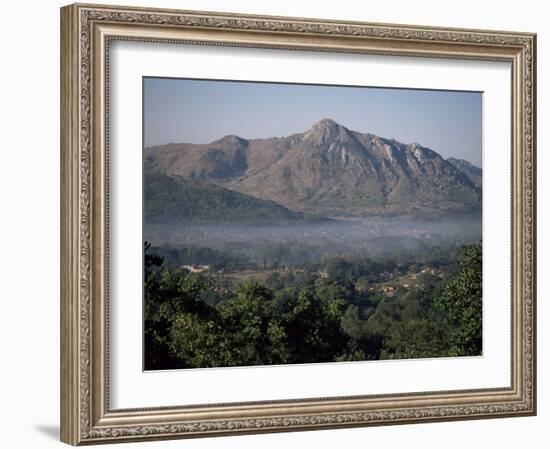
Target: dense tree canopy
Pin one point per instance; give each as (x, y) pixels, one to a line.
(461, 302)
(299, 317)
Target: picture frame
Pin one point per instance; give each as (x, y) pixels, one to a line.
(87, 34)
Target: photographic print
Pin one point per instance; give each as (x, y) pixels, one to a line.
(297, 223)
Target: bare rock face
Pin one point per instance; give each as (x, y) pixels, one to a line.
(469, 169)
(327, 169)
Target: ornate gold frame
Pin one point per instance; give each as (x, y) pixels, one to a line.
(86, 31)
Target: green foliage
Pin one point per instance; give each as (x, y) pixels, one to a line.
(312, 323)
(408, 327)
(199, 343)
(461, 301)
(175, 199)
(301, 317)
(167, 295)
(254, 333)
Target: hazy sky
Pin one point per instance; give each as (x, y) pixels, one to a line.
(197, 111)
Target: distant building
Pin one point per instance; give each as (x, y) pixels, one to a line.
(196, 268)
(387, 290)
(385, 275)
(322, 274)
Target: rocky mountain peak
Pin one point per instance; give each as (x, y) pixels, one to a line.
(231, 139)
(326, 123)
(328, 131)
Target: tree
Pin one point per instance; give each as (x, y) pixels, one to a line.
(198, 343)
(405, 326)
(167, 295)
(252, 330)
(461, 302)
(338, 268)
(157, 354)
(362, 284)
(312, 324)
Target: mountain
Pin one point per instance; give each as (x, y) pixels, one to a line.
(172, 199)
(328, 170)
(470, 170)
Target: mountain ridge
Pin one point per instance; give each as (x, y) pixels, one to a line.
(172, 199)
(472, 171)
(327, 169)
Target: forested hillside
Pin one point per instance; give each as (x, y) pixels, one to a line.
(342, 310)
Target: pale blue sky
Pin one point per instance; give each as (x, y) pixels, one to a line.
(200, 111)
